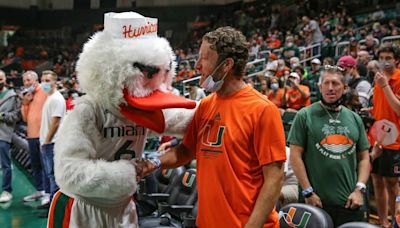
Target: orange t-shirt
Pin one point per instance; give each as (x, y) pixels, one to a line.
(233, 137)
(281, 72)
(32, 113)
(383, 110)
(277, 97)
(295, 100)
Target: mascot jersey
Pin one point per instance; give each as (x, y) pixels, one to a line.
(94, 187)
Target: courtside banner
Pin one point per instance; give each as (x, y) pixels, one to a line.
(130, 25)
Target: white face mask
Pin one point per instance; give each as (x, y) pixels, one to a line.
(210, 85)
(348, 78)
(386, 65)
(274, 86)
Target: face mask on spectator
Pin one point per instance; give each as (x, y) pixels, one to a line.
(348, 78)
(386, 65)
(30, 89)
(213, 86)
(1, 85)
(289, 44)
(46, 87)
(275, 86)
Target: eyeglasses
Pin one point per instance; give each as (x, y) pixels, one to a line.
(333, 68)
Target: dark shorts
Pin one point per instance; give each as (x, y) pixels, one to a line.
(341, 215)
(388, 164)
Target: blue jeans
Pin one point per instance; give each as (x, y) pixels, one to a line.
(37, 164)
(48, 160)
(5, 158)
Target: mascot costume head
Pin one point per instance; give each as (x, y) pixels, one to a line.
(125, 71)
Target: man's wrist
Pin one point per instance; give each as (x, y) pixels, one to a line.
(156, 162)
(361, 187)
(307, 192)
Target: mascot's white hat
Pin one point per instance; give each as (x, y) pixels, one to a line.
(125, 68)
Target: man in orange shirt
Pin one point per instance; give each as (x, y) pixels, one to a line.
(237, 137)
(32, 103)
(297, 96)
(386, 105)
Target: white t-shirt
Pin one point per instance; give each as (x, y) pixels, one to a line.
(53, 107)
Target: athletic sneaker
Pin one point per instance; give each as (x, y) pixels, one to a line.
(5, 197)
(35, 196)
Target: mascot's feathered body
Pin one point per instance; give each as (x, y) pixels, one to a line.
(124, 71)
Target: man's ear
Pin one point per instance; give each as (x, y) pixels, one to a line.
(346, 89)
(229, 63)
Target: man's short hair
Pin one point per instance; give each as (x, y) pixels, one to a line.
(52, 73)
(229, 43)
(391, 49)
(31, 73)
(332, 70)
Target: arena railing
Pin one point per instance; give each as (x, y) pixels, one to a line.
(391, 39)
(340, 47)
(309, 53)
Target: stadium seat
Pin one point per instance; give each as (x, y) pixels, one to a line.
(304, 215)
(358, 225)
(168, 178)
(180, 203)
(161, 181)
(287, 120)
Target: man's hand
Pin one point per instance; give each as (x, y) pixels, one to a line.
(381, 79)
(397, 213)
(355, 200)
(143, 167)
(314, 200)
(164, 147)
(368, 109)
(27, 98)
(376, 152)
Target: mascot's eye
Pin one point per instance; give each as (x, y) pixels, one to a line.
(149, 70)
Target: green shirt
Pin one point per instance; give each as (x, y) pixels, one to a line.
(329, 150)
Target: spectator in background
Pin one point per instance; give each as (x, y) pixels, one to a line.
(328, 61)
(372, 69)
(9, 115)
(52, 114)
(294, 62)
(276, 93)
(370, 46)
(331, 161)
(33, 99)
(297, 96)
(255, 47)
(313, 75)
(274, 42)
(363, 57)
(290, 49)
(281, 68)
(359, 86)
(386, 105)
(195, 93)
(312, 31)
(264, 86)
